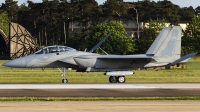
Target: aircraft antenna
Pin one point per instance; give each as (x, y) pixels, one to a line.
(103, 50)
(85, 50)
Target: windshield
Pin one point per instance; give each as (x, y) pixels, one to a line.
(54, 49)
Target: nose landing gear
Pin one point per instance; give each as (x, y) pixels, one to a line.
(63, 73)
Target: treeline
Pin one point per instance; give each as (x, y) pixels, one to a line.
(51, 22)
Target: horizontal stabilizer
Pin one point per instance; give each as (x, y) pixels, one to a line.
(181, 59)
(155, 64)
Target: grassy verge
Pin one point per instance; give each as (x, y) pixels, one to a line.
(94, 98)
(51, 75)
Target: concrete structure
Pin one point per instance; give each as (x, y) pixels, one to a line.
(21, 41)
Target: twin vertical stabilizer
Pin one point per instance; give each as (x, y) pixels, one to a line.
(166, 48)
(167, 43)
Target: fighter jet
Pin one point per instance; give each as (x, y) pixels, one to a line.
(164, 52)
(56, 56)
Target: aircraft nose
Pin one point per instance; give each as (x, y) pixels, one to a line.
(16, 63)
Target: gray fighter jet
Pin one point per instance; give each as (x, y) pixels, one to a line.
(164, 52)
(57, 56)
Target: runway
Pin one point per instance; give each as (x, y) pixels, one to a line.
(101, 106)
(100, 90)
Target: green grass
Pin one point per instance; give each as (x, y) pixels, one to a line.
(52, 75)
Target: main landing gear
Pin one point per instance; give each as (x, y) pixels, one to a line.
(118, 76)
(117, 79)
(63, 73)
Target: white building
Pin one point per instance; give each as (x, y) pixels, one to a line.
(130, 27)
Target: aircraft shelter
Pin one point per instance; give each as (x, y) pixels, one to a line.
(19, 43)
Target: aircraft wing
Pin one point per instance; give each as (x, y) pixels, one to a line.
(115, 56)
(111, 62)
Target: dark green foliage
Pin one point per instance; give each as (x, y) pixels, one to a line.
(4, 22)
(197, 10)
(114, 10)
(186, 12)
(11, 8)
(191, 37)
(50, 22)
(169, 11)
(117, 43)
(147, 38)
(148, 35)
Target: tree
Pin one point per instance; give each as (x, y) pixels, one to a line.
(197, 10)
(50, 20)
(156, 25)
(86, 9)
(169, 11)
(186, 12)
(133, 15)
(23, 16)
(146, 10)
(4, 22)
(12, 8)
(114, 9)
(64, 17)
(191, 37)
(117, 43)
(148, 35)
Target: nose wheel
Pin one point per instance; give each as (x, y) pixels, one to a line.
(64, 80)
(63, 73)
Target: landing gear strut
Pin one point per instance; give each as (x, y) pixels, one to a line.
(63, 73)
(115, 79)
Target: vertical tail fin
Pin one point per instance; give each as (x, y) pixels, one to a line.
(168, 43)
(158, 41)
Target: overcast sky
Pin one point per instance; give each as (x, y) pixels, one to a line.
(181, 3)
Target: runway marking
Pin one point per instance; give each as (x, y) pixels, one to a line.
(103, 86)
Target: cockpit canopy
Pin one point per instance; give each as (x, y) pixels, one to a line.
(54, 49)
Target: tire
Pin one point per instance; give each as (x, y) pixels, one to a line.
(113, 79)
(121, 79)
(64, 80)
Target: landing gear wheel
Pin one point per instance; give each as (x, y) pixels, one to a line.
(113, 79)
(64, 80)
(121, 79)
(63, 73)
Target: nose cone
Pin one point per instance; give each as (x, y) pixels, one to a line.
(16, 63)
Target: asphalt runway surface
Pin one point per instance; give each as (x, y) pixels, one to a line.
(100, 90)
